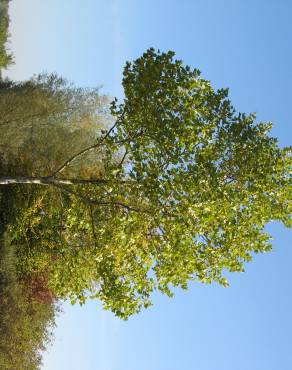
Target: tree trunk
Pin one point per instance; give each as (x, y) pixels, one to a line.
(47, 181)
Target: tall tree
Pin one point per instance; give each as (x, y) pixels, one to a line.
(186, 188)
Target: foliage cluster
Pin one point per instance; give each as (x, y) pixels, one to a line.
(26, 322)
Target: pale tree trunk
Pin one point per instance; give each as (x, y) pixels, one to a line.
(47, 181)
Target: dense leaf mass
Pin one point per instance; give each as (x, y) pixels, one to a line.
(27, 308)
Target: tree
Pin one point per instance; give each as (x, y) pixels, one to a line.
(186, 188)
(5, 58)
(38, 116)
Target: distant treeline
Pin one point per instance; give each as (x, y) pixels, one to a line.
(25, 322)
(27, 309)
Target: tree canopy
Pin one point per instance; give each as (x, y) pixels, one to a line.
(183, 190)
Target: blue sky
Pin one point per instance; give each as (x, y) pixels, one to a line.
(241, 44)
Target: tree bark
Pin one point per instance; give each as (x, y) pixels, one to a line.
(47, 181)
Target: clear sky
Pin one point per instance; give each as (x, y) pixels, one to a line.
(241, 44)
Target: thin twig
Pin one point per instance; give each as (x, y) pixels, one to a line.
(122, 160)
(89, 201)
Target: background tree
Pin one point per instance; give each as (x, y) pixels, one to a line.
(27, 306)
(39, 116)
(5, 57)
(186, 188)
(26, 321)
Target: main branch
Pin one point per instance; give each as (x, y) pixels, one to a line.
(48, 181)
(83, 151)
